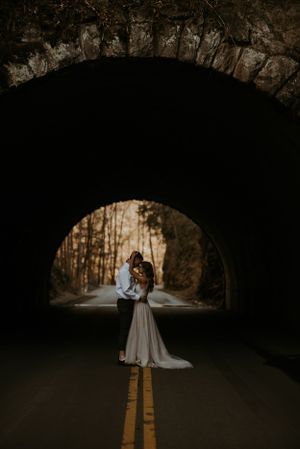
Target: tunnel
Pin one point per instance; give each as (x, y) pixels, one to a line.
(115, 129)
(190, 104)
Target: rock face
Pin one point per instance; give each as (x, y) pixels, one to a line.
(255, 41)
(192, 264)
(184, 255)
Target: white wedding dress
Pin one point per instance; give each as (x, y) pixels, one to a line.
(145, 346)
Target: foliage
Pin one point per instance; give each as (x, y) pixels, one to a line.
(100, 243)
(192, 263)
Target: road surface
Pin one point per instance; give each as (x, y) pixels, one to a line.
(60, 385)
(105, 296)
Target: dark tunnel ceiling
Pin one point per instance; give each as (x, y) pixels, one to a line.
(156, 110)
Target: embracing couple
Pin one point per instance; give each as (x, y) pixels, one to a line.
(140, 342)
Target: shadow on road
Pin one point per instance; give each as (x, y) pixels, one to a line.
(288, 363)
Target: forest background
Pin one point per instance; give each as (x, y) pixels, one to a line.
(186, 262)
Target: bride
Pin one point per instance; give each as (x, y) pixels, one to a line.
(145, 346)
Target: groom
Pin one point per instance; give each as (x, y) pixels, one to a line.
(126, 294)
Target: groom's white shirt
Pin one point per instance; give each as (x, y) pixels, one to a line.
(125, 284)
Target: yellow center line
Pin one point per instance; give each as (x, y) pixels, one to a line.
(149, 423)
(130, 417)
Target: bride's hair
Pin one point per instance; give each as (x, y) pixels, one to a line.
(148, 268)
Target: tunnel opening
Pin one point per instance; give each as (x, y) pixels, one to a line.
(219, 151)
(189, 270)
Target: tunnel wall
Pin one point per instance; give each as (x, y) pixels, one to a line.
(201, 143)
(255, 42)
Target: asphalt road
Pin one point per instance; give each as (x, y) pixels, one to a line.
(105, 296)
(60, 385)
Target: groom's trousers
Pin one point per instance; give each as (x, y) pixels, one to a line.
(125, 309)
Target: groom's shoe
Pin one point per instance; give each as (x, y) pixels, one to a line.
(121, 362)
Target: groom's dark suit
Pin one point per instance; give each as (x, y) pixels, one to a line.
(125, 309)
(125, 289)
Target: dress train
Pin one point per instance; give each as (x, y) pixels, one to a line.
(145, 346)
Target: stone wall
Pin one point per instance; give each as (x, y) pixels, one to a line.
(255, 41)
(192, 265)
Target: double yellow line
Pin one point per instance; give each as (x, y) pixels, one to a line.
(128, 441)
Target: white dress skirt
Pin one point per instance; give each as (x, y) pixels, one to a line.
(145, 346)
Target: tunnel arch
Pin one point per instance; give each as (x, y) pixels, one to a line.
(256, 44)
(245, 194)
